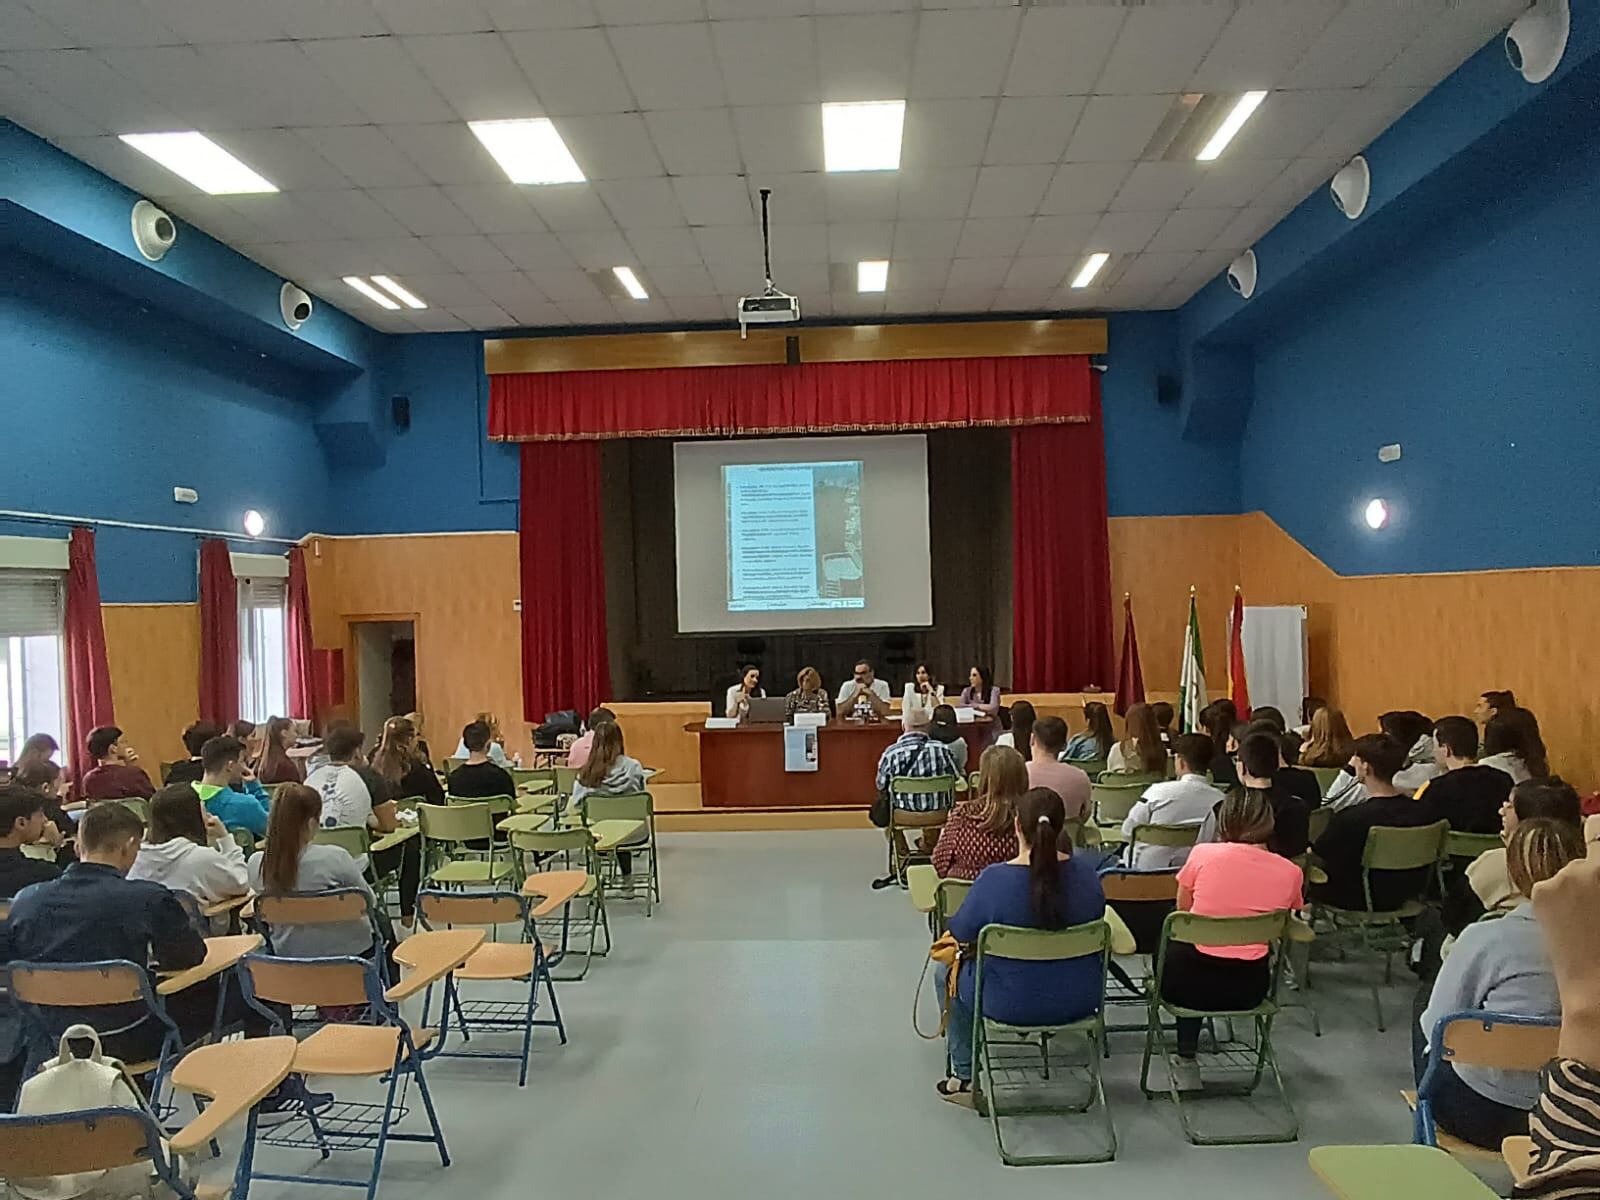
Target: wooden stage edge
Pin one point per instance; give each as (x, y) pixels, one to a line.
(761, 820)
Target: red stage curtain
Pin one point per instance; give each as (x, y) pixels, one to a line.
(1061, 559)
(219, 634)
(298, 642)
(564, 658)
(88, 675)
(809, 398)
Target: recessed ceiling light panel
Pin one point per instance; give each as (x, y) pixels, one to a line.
(528, 150)
(405, 295)
(370, 292)
(863, 136)
(1231, 124)
(873, 275)
(1092, 266)
(195, 157)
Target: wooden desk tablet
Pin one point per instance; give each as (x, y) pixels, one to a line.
(234, 1076)
(1381, 1172)
(393, 838)
(432, 956)
(556, 888)
(221, 953)
(608, 835)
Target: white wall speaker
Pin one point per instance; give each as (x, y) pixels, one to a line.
(295, 306)
(1538, 38)
(1242, 274)
(1351, 186)
(154, 231)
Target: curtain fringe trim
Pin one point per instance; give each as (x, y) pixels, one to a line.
(621, 434)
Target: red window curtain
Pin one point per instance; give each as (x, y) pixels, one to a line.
(298, 642)
(809, 398)
(564, 657)
(219, 634)
(1061, 559)
(88, 674)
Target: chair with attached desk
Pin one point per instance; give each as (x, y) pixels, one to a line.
(339, 906)
(1176, 837)
(1143, 900)
(385, 1048)
(528, 837)
(1463, 848)
(1325, 777)
(1477, 1039)
(635, 806)
(1386, 1172)
(1111, 803)
(902, 819)
(459, 839)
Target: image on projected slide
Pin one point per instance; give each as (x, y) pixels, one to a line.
(794, 536)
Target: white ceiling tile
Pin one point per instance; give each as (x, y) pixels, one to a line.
(42, 113)
(213, 20)
(432, 321)
(695, 141)
(780, 138)
(1040, 271)
(1191, 229)
(669, 66)
(658, 248)
(570, 208)
(611, 146)
(798, 198)
(642, 312)
(857, 304)
(641, 203)
(911, 301)
(1362, 39)
(222, 221)
(917, 274)
(178, 78)
(1286, 123)
(945, 133)
(1061, 50)
(867, 196)
(801, 278)
(713, 199)
(23, 29)
(365, 156)
(735, 278)
(1163, 185)
(489, 316)
(737, 246)
(1087, 187)
(926, 239)
(963, 53)
(285, 159)
(768, 62)
(597, 251)
(865, 57)
(674, 282)
(978, 272)
(534, 252)
(625, 12)
(1159, 48)
(476, 74)
(1024, 299)
(535, 314)
(1010, 191)
(381, 79)
(701, 308)
(92, 24)
(995, 237)
(1260, 44)
(1116, 128)
(1232, 183)
(1066, 234)
(1297, 181)
(721, 10)
(1143, 270)
(319, 19)
(448, 290)
(126, 165)
(936, 193)
(853, 241)
(1367, 114)
(572, 71)
(1032, 129)
(469, 252)
(282, 217)
(270, 85)
(397, 256)
(565, 287)
(342, 257)
(429, 16)
(505, 288)
(495, 207)
(1248, 225)
(541, 14)
(1123, 232)
(1441, 47)
(446, 153)
(422, 209)
(800, 243)
(85, 84)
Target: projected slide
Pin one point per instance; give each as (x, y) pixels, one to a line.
(794, 536)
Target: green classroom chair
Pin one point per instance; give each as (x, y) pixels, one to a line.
(1111, 803)
(1467, 846)
(563, 845)
(634, 806)
(1383, 1172)
(1325, 777)
(447, 830)
(1174, 836)
(901, 819)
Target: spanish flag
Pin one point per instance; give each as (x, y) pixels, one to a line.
(1238, 684)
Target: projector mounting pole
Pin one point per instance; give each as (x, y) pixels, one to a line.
(766, 239)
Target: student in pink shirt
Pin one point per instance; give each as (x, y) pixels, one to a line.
(578, 752)
(1045, 768)
(1234, 877)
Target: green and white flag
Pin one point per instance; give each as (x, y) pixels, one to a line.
(1192, 681)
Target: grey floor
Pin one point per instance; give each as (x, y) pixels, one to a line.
(754, 1038)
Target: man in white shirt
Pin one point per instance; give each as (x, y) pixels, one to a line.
(863, 693)
(346, 799)
(1186, 800)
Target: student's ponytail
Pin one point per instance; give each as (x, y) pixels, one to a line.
(1041, 818)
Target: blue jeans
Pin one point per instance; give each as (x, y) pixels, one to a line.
(958, 1033)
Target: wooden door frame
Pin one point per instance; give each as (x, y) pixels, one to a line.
(352, 677)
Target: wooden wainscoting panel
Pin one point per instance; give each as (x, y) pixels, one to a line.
(154, 654)
(953, 339)
(634, 351)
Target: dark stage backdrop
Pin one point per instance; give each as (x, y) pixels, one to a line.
(969, 473)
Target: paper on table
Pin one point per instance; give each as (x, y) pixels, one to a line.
(810, 720)
(722, 722)
(799, 748)
(966, 715)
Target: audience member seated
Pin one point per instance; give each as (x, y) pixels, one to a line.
(737, 702)
(1045, 886)
(1164, 714)
(943, 729)
(863, 695)
(1218, 719)
(1286, 780)
(1141, 752)
(1046, 769)
(983, 694)
(1511, 743)
(1328, 740)
(1467, 795)
(1374, 761)
(1237, 876)
(46, 778)
(38, 748)
(480, 776)
(982, 829)
(1261, 769)
(912, 755)
(497, 741)
(1018, 718)
(1273, 716)
(922, 695)
(227, 789)
(808, 695)
(611, 772)
(1485, 886)
(189, 850)
(22, 823)
(1095, 743)
(422, 742)
(195, 737)
(405, 775)
(1309, 707)
(578, 752)
(254, 738)
(114, 775)
(1497, 967)
(1491, 703)
(355, 794)
(275, 765)
(1414, 731)
(1186, 800)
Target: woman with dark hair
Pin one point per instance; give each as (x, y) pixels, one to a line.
(1019, 735)
(254, 738)
(1218, 719)
(45, 777)
(982, 694)
(737, 701)
(1094, 743)
(40, 747)
(610, 772)
(276, 766)
(187, 849)
(1511, 743)
(1043, 887)
(1164, 715)
(408, 775)
(1415, 732)
(1492, 702)
(294, 861)
(922, 695)
(1142, 750)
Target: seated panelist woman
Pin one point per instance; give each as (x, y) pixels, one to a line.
(808, 696)
(747, 689)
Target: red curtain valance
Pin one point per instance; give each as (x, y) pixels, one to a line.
(808, 398)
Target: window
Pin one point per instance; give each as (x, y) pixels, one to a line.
(263, 636)
(32, 670)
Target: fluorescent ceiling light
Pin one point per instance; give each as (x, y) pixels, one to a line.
(629, 280)
(528, 151)
(872, 276)
(1091, 268)
(406, 297)
(1231, 124)
(862, 137)
(370, 292)
(201, 161)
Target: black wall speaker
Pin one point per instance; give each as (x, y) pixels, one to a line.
(1169, 390)
(400, 406)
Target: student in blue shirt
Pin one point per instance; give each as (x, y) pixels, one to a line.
(1045, 887)
(228, 789)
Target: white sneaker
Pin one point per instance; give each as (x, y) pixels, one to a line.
(1186, 1075)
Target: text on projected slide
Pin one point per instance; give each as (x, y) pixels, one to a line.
(794, 536)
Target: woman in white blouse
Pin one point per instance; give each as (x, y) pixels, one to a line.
(747, 689)
(923, 694)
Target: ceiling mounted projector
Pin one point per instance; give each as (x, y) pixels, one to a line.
(771, 307)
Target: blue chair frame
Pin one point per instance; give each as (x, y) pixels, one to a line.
(90, 1119)
(265, 926)
(1424, 1129)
